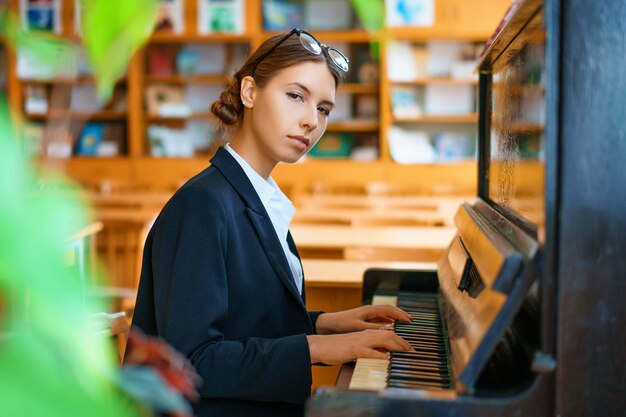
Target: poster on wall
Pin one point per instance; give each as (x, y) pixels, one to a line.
(410, 13)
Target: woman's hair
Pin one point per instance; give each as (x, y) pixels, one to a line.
(229, 109)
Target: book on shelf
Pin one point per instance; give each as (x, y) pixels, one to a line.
(84, 98)
(366, 106)
(167, 100)
(410, 13)
(333, 145)
(52, 58)
(79, 11)
(406, 102)
(58, 140)
(406, 62)
(216, 16)
(100, 139)
(41, 15)
(343, 108)
(199, 97)
(328, 14)
(282, 15)
(449, 99)
(445, 58)
(90, 139)
(161, 60)
(204, 59)
(169, 17)
(195, 138)
(454, 146)
(35, 99)
(410, 146)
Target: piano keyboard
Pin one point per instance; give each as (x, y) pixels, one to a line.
(427, 367)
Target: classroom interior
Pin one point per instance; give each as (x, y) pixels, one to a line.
(382, 188)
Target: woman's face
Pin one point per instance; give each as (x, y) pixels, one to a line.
(289, 115)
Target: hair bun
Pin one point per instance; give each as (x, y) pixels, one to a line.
(228, 108)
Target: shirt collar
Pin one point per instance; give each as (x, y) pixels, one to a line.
(266, 189)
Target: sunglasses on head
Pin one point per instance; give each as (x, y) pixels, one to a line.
(312, 45)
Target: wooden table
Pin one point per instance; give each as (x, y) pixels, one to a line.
(362, 216)
(134, 199)
(338, 273)
(434, 203)
(413, 243)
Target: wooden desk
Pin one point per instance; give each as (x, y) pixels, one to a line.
(372, 243)
(337, 273)
(370, 216)
(140, 199)
(434, 203)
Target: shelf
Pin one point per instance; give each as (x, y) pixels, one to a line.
(356, 88)
(455, 118)
(435, 80)
(82, 79)
(351, 36)
(103, 115)
(195, 116)
(417, 34)
(187, 79)
(215, 37)
(353, 126)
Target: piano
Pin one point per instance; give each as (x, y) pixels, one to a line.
(524, 315)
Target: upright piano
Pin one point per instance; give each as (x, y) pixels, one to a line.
(525, 314)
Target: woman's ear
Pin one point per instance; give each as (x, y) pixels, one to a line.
(248, 91)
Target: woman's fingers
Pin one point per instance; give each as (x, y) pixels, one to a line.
(385, 339)
(386, 313)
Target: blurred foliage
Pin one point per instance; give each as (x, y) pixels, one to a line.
(370, 13)
(52, 361)
(371, 16)
(112, 31)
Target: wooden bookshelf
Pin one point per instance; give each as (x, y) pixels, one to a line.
(467, 20)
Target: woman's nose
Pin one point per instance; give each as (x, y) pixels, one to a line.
(309, 119)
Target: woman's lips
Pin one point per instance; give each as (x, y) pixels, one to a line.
(301, 141)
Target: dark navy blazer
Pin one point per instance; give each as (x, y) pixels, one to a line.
(216, 285)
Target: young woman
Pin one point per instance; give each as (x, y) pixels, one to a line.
(221, 279)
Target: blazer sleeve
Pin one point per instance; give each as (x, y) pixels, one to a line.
(191, 308)
(314, 315)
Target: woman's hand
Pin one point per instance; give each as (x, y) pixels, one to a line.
(360, 318)
(342, 348)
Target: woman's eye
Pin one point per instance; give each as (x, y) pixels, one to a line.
(295, 96)
(324, 111)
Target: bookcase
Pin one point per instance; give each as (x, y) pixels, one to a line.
(156, 131)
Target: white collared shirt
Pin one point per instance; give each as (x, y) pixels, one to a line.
(279, 208)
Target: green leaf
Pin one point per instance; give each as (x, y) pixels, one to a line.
(370, 13)
(112, 31)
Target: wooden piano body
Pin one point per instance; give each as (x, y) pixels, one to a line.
(532, 290)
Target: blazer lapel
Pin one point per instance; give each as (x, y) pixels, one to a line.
(274, 251)
(259, 218)
(294, 250)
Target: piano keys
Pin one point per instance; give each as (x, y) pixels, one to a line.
(428, 366)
